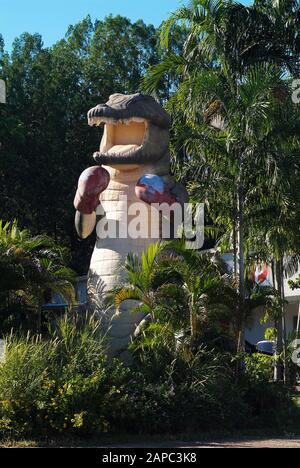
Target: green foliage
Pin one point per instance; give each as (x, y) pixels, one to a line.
(30, 266)
(66, 386)
(260, 367)
(187, 293)
(227, 76)
(269, 401)
(233, 115)
(189, 395)
(295, 284)
(271, 334)
(180, 289)
(57, 385)
(235, 132)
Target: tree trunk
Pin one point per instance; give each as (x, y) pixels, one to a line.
(235, 248)
(284, 336)
(193, 320)
(279, 366)
(241, 268)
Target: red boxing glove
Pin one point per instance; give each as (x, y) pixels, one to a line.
(152, 189)
(92, 182)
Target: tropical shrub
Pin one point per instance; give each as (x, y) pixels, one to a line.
(260, 367)
(269, 403)
(30, 267)
(188, 293)
(58, 385)
(267, 400)
(192, 393)
(66, 385)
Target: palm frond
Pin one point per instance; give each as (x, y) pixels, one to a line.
(156, 73)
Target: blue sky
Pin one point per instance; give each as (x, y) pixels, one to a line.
(51, 18)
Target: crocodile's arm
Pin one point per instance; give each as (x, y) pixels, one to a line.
(85, 224)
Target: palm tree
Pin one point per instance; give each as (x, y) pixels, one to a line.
(273, 224)
(183, 292)
(31, 266)
(274, 237)
(140, 283)
(231, 35)
(200, 277)
(282, 32)
(228, 157)
(171, 285)
(228, 97)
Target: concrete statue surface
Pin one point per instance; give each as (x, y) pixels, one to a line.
(132, 170)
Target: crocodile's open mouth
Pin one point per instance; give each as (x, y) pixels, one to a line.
(122, 139)
(136, 130)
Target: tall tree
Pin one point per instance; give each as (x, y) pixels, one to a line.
(227, 100)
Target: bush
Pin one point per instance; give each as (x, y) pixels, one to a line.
(267, 400)
(66, 386)
(166, 407)
(187, 393)
(59, 385)
(260, 367)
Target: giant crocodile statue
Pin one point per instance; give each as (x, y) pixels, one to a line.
(134, 147)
